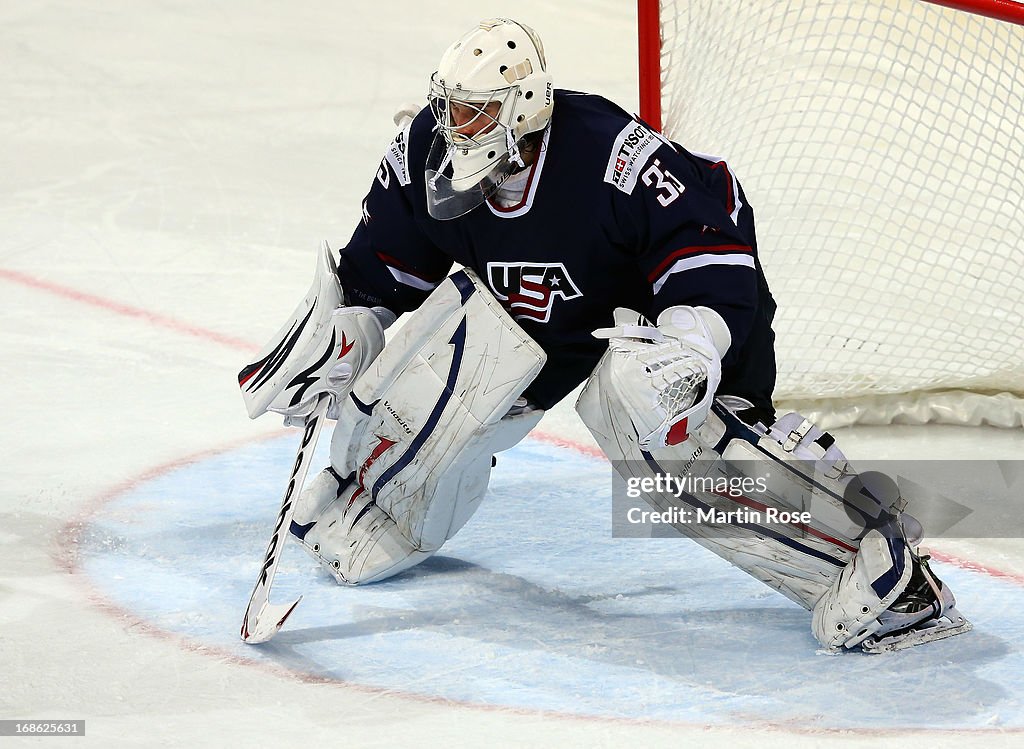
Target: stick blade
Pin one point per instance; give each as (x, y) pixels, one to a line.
(262, 625)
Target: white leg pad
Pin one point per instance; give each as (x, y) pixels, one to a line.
(864, 588)
(848, 612)
(314, 499)
(801, 567)
(356, 541)
(418, 433)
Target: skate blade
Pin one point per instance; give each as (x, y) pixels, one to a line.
(952, 623)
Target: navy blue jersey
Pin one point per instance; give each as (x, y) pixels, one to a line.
(613, 215)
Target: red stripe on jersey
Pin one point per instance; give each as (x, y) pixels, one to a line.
(730, 199)
(703, 249)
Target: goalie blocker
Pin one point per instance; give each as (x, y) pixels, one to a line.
(322, 348)
(855, 567)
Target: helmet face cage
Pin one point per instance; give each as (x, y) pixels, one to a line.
(483, 126)
(490, 90)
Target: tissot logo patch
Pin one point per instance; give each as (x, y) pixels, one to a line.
(529, 290)
(630, 152)
(397, 158)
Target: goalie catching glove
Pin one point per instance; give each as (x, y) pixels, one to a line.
(667, 374)
(323, 347)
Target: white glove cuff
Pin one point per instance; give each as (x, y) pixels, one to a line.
(697, 326)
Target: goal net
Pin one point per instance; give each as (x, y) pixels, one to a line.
(881, 145)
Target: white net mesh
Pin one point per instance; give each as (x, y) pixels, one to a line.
(882, 147)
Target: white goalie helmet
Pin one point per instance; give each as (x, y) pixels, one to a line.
(491, 89)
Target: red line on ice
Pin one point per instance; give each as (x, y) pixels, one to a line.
(126, 310)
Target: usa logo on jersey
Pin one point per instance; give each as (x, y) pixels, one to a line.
(529, 290)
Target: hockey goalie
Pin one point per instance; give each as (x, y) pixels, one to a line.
(572, 226)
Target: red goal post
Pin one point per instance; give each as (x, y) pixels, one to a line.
(881, 143)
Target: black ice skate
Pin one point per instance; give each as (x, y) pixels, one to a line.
(926, 611)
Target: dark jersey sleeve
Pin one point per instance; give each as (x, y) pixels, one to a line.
(693, 233)
(389, 261)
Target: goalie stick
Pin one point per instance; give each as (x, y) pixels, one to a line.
(263, 619)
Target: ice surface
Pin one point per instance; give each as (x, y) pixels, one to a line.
(534, 605)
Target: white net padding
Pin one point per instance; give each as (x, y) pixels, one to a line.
(881, 145)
